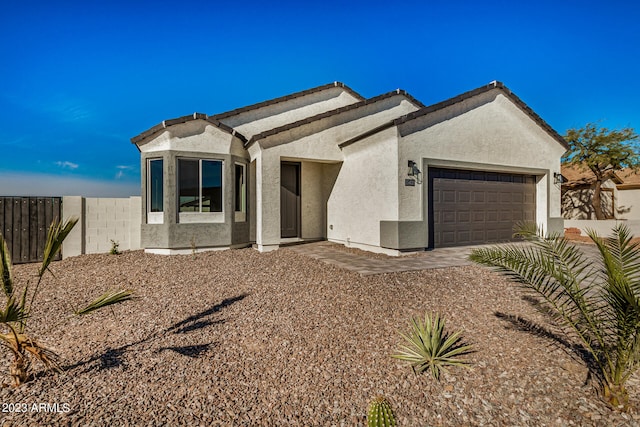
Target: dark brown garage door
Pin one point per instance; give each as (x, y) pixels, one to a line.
(475, 207)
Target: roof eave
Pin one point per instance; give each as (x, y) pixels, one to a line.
(462, 97)
(184, 119)
(273, 101)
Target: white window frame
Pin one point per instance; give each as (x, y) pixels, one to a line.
(154, 217)
(200, 217)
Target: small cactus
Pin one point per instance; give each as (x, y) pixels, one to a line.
(380, 413)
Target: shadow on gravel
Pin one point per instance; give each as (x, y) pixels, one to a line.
(196, 321)
(575, 351)
(189, 350)
(114, 357)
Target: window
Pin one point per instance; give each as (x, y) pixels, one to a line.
(155, 191)
(199, 186)
(240, 190)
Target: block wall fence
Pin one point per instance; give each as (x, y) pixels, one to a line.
(100, 221)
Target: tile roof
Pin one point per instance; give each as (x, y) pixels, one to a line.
(216, 119)
(364, 102)
(456, 99)
(578, 175)
(195, 116)
(267, 103)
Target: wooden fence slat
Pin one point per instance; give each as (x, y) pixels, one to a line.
(15, 229)
(8, 224)
(42, 228)
(33, 229)
(24, 229)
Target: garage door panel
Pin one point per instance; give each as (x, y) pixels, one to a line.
(448, 196)
(474, 207)
(492, 196)
(478, 216)
(464, 196)
(448, 217)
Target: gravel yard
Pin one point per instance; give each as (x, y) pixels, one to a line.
(243, 338)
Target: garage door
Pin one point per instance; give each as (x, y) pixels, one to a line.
(475, 207)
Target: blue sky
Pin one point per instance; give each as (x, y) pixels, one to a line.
(79, 79)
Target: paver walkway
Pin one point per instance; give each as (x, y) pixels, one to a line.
(329, 252)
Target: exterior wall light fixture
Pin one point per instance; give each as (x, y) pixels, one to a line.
(415, 172)
(557, 178)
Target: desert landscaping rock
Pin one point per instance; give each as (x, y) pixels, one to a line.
(243, 338)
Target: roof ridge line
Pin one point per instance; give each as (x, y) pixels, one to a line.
(285, 98)
(330, 113)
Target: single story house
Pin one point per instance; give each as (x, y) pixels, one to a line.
(385, 174)
(619, 195)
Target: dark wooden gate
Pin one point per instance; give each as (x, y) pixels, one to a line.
(24, 222)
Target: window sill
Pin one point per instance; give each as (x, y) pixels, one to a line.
(200, 217)
(155, 217)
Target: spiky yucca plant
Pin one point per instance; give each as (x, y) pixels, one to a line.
(428, 347)
(596, 300)
(380, 413)
(17, 311)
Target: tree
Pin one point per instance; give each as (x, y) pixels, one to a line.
(18, 307)
(604, 152)
(595, 300)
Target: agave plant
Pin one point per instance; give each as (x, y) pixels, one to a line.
(428, 347)
(14, 317)
(596, 300)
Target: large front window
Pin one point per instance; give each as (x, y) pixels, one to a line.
(199, 185)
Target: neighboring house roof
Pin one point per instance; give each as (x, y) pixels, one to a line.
(630, 179)
(457, 99)
(351, 107)
(578, 175)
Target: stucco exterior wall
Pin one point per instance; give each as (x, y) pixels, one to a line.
(628, 204)
(311, 144)
(487, 132)
(365, 192)
(196, 139)
(576, 202)
(313, 203)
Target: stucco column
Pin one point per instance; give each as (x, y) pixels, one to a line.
(267, 201)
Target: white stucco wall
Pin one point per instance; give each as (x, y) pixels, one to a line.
(628, 204)
(313, 202)
(365, 191)
(487, 132)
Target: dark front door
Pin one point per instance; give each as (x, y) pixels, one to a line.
(475, 207)
(290, 199)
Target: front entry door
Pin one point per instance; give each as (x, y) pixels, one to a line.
(290, 199)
